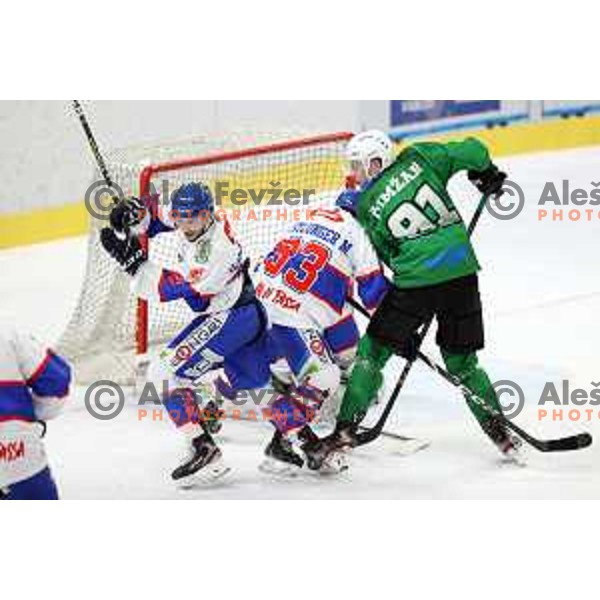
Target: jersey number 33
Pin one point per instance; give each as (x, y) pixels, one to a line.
(298, 263)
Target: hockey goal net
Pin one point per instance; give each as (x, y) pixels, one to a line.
(112, 333)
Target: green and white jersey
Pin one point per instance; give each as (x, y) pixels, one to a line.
(411, 219)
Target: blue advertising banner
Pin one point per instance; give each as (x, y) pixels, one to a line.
(405, 112)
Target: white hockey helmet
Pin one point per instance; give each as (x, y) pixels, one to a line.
(371, 145)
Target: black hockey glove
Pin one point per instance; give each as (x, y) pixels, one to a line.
(128, 251)
(127, 214)
(488, 182)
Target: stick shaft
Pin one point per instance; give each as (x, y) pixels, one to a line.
(89, 134)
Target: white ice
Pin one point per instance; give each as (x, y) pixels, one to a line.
(541, 294)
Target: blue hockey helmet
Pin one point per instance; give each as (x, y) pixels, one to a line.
(193, 200)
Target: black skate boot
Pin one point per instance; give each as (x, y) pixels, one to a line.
(510, 446)
(328, 454)
(203, 465)
(307, 436)
(281, 458)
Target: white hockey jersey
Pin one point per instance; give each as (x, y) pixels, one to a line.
(210, 273)
(306, 279)
(34, 383)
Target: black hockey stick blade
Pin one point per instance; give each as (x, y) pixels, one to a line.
(574, 442)
(566, 444)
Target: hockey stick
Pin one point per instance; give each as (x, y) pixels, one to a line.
(572, 442)
(78, 108)
(368, 435)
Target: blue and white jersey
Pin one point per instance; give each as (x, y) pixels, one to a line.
(34, 384)
(210, 274)
(306, 280)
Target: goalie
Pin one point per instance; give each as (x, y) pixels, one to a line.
(213, 280)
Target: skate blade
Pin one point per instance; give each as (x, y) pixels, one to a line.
(334, 464)
(211, 474)
(277, 468)
(516, 456)
(514, 460)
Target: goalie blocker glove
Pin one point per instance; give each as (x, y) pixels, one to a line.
(490, 181)
(127, 214)
(127, 251)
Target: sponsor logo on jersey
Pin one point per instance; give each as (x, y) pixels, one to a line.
(277, 296)
(201, 335)
(194, 341)
(203, 248)
(12, 451)
(316, 345)
(182, 353)
(263, 291)
(285, 301)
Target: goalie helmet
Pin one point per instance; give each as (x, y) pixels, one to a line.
(366, 147)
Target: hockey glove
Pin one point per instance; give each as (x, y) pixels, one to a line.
(127, 251)
(127, 214)
(488, 182)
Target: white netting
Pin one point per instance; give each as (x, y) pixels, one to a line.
(101, 336)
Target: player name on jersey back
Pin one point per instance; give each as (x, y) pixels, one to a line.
(307, 277)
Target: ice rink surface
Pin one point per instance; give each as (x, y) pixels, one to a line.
(541, 294)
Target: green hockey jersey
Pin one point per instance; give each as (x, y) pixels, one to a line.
(411, 219)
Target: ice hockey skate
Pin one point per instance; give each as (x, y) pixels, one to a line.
(511, 446)
(280, 458)
(203, 465)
